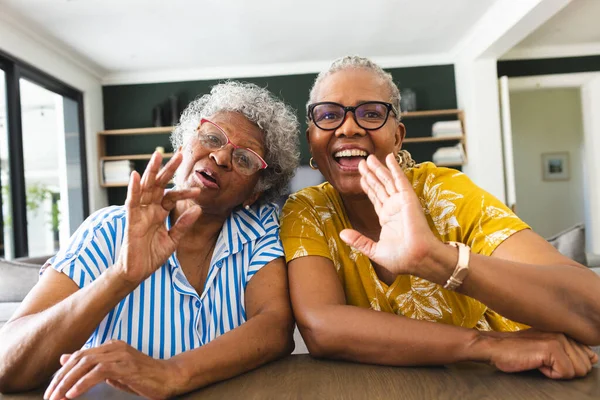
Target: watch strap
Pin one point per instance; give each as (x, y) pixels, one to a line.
(462, 266)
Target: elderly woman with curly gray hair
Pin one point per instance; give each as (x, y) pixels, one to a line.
(178, 288)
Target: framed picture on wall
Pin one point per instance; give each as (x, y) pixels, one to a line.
(555, 166)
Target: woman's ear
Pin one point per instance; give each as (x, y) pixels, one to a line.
(399, 136)
(252, 199)
(308, 140)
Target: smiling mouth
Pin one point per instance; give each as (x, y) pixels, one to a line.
(350, 158)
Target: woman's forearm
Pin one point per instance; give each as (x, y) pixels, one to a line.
(30, 346)
(560, 298)
(363, 335)
(263, 338)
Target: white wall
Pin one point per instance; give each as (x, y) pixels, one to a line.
(590, 98)
(504, 25)
(547, 121)
(477, 92)
(30, 48)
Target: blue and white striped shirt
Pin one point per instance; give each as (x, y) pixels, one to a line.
(165, 315)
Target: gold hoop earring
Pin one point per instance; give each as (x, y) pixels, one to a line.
(312, 164)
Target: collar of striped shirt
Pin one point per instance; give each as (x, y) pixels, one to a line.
(241, 227)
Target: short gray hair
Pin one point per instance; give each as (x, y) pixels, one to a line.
(357, 62)
(277, 121)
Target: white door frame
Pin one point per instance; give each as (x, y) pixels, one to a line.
(589, 85)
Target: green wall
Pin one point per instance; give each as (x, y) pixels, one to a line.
(548, 66)
(130, 106)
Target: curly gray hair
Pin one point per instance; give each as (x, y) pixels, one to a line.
(356, 62)
(277, 121)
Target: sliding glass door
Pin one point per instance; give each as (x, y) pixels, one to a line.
(51, 162)
(42, 162)
(5, 211)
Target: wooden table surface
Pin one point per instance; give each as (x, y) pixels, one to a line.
(301, 377)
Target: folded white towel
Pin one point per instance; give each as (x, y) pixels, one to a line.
(447, 128)
(117, 171)
(448, 155)
(448, 134)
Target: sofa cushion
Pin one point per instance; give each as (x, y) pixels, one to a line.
(593, 260)
(37, 260)
(7, 310)
(571, 243)
(16, 280)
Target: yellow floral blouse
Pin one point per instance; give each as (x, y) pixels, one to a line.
(456, 210)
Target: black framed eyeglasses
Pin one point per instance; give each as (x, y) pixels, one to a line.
(369, 115)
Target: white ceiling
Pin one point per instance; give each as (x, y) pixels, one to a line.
(577, 26)
(114, 36)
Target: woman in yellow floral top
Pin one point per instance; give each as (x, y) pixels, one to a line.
(373, 238)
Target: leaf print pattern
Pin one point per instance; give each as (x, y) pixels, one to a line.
(378, 285)
(496, 212)
(495, 238)
(494, 225)
(439, 205)
(375, 304)
(456, 210)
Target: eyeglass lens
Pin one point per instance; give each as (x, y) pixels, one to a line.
(244, 160)
(370, 115)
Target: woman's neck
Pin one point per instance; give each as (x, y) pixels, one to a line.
(362, 215)
(205, 230)
(196, 247)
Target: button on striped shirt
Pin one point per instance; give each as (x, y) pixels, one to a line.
(165, 315)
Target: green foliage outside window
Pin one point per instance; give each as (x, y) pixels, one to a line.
(36, 194)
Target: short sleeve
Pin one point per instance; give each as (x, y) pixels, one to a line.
(498, 323)
(268, 247)
(463, 212)
(93, 248)
(301, 230)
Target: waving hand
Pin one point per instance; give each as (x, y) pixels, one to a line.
(148, 243)
(405, 235)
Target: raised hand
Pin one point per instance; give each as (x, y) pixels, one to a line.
(148, 243)
(405, 237)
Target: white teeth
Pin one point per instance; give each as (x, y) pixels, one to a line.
(351, 153)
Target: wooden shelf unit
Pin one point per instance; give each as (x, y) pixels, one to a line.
(138, 131)
(133, 157)
(432, 139)
(460, 115)
(121, 185)
(101, 140)
(431, 113)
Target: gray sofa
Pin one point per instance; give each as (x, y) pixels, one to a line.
(16, 280)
